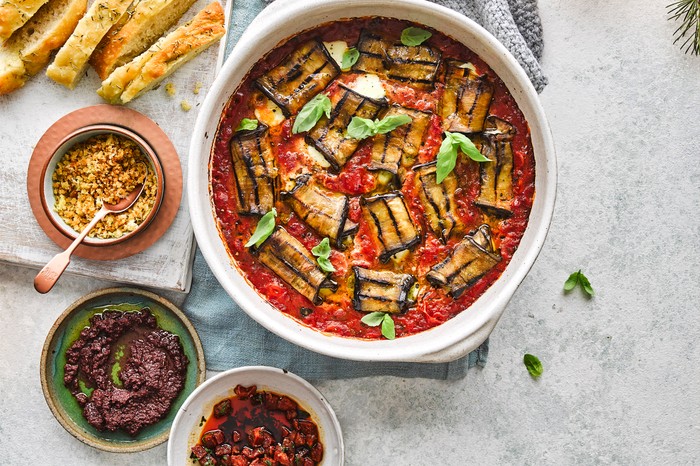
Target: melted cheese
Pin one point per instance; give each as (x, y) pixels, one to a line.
(369, 85)
(317, 157)
(270, 113)
(336, 49)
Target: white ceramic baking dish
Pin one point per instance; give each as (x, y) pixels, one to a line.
(469, 329)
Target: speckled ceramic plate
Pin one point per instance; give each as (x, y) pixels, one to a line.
(66, 330)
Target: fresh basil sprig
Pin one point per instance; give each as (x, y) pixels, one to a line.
(247, 124)
(578, 278)
(384, 319)
(361, 128)
(322, 251)
(533, 365)
(350, 57)
(447, 155)
(265, 227)
(412, 36)
(311, 113)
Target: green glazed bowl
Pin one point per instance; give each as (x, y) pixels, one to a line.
(67, 329)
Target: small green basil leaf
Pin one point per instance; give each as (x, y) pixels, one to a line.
(391, 122)
(446, 159)
(265, 227)
(373, 319)
(467, 146)
(350, 57)
(533, 364)
(412, 36)
(311, 113)
(247, 124)
(572, 281)
(388, 329)
(585, 284)
(361, 128)
(323, 251)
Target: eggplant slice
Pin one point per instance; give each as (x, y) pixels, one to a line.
(438, 200)
(465, 103)
(329, 134)
(398, 149)
(381, 290)
(496, 193)
(389, 218)
(417, 65)
(323, 210)
(292, 262)
(469, 261)
(254, 170)
(307, 71)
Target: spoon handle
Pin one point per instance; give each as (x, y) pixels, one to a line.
(49, 275)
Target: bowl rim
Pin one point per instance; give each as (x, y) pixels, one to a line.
(49, 394)
(278, 374)
(101, 128)
(462, 333)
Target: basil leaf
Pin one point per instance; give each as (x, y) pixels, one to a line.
(533, 365)
(446, 159)
(585, 284)
(412, 36)
(361, 128)
(467, 146)
(311, 113)
(373, 319)
(572, 281)
(350, 57)
(265, 227)
(391, 122)
(388, 329)
(247, 124)
(323, 251)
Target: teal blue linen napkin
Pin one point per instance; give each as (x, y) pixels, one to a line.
(232, 339)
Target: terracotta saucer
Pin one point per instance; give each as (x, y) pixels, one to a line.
(142, 126)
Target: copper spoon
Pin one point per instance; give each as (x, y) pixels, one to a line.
(49, 275)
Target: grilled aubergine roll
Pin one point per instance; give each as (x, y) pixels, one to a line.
(329, 134)
(417, 65)
(307, 71)
(292, 262)
(323, 210)
(397, 150)
(254, 170)
(388, 216)
(381, 290)
(496, 195)
(438, 200)
(470, 259)
(465, 103)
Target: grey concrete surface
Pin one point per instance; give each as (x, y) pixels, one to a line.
(622, 370)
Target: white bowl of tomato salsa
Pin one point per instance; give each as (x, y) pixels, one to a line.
(464, 331)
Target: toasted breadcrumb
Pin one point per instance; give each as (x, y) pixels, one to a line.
(185, 105)
(170, 89)
(197, 87)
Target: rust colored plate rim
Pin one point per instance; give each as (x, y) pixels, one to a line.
(67, 143)
(141, 126)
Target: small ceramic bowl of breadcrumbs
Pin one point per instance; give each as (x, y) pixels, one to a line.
(96, 165)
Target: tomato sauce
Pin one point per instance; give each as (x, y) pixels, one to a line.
(336, 314)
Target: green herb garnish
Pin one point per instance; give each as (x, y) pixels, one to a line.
(84, 388)
(117, 366)
(578, 278)
(247, 125)
(533, 364)
(384, 319)
(414, 36)
(362, 128)
(322, 251)
(350, 57)
(265, 227)
(688, 12)
(447, 155)
(311, 113)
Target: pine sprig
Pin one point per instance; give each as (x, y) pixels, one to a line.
(688, 12)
